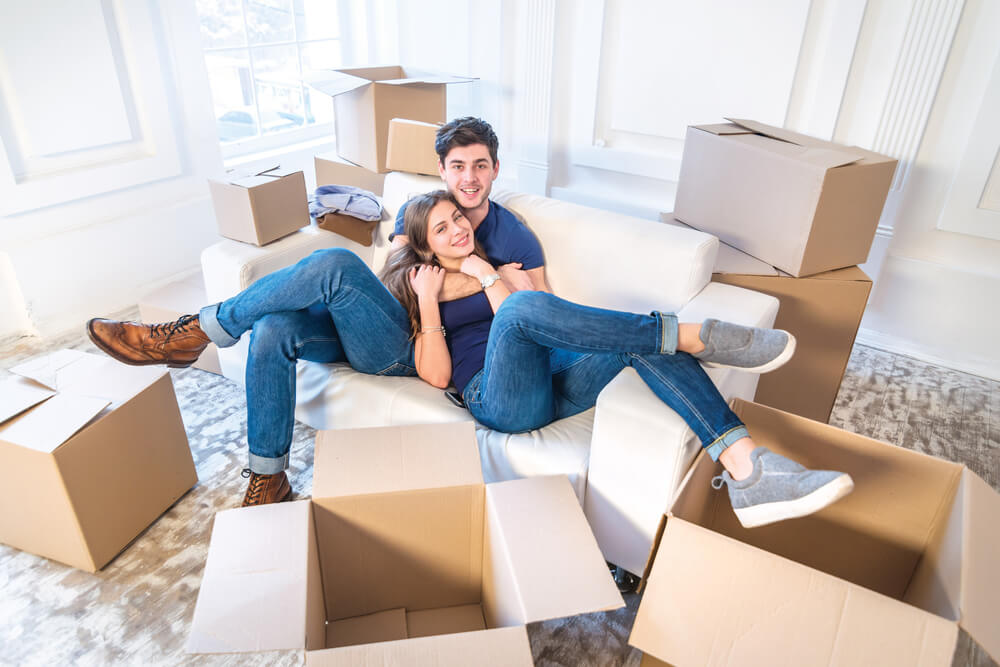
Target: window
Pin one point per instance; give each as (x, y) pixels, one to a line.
(259, 54)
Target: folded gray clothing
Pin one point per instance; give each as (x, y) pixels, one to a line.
(345, 199)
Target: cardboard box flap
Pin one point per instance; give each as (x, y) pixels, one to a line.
(82, 374)
(333, 82)
(253, 593)
(503, 647)
(823, 154)
(713, 600)
(17, 394)
(351, 462)
(556, 567)
(56, 371)
(724, 128)
(429, 79)
(980, 596)
(53, 422)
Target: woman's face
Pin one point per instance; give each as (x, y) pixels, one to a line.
(449, 233)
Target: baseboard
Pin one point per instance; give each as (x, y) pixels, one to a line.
(985, 368)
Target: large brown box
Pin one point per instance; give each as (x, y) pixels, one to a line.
(884, 576)
(411, 147)
(798, 203)
(365, 99)
(262, 207)
(332, 169)
(93, 450)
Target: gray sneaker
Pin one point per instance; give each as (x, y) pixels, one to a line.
(779, 489)
(751, 349)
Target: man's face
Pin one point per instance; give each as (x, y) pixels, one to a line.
(469, 173)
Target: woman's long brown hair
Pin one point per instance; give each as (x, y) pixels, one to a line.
(395, 273)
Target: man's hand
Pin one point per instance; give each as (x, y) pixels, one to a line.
(477, 267)
(426, 281)
(515, 278)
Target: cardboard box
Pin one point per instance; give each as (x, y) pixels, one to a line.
(182, 297)
(94, 452)
(885, 576)
(822, 311)
(798, 203)
(403, 545)
(261, 207)
(359, 231)
(334, 170)
(365, 99)
(411, 147)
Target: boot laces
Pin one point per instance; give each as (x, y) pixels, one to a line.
(168, 329)
(255, 488)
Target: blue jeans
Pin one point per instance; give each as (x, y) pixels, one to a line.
(328, 307)
(547, 359)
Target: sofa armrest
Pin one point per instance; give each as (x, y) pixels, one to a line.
(641, 449)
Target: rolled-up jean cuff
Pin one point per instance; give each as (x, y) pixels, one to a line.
(668, 332)
(208, 320)
(729, 437)
(265, 465)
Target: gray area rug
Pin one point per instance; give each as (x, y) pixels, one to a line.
(138, 609)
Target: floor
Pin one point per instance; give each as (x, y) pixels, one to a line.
(137, 610)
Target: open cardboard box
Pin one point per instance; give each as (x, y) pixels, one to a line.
(260, 207)
(365, 99)
(885, 576)
(823, 312)
(796, 202)
(404, 555)
(331, 169)
(94, 452)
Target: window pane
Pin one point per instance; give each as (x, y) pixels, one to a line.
(270, 21)
(232, 94)
(221, 23)
(316, 19)
(319, 56)
(279, 89)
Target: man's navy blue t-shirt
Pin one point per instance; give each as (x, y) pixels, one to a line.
(504, 238)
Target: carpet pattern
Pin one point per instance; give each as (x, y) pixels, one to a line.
(138, 609)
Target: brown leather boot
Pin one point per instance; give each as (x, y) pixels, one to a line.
(176, 344)
(266, 489)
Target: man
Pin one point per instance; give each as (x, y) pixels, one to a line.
(329, 307)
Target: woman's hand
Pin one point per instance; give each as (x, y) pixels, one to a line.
(426, 281)
(477, 267)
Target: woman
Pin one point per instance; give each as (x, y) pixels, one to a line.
(523, 360)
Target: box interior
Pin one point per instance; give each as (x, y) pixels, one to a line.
(909, 549)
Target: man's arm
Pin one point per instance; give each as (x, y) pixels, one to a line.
(456, 285)
(539, 280)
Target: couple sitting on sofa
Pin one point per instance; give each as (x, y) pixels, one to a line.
(463, 300)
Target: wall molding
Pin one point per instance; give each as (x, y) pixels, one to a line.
(927, 42)
(536, 23)
(985, 368)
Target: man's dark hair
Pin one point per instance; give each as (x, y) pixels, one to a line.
(466, 132)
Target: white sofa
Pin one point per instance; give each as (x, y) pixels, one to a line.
(626, 456)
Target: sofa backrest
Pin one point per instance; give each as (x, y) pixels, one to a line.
(595, 257)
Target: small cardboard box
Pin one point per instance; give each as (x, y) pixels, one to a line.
(411, 147)
(182, 297)
(402, 545)
(94, 452)
(261, 207)
(332, 169)
(365, 99)
(359, 231)
(884, 576)
(801, 204)
(822, 311)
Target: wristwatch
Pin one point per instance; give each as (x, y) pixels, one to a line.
(489, 280)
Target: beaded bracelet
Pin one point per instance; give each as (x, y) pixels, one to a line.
(433, 329)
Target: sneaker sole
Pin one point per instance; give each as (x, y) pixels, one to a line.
(772, 365)
(114, 355)
(829, 493)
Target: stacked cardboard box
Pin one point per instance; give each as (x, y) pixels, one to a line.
(403, 556)
(796, 215)
(93, 451)
(885, 576)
